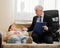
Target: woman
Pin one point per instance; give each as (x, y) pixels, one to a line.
(14, 36)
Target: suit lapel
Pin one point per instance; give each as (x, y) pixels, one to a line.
(44, 18)
(36, 18)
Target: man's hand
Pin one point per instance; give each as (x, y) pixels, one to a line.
(45, 27)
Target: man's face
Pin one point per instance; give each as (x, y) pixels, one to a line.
(38, 12)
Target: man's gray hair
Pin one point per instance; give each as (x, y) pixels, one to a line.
(39, 7)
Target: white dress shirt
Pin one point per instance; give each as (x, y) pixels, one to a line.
(42, 16)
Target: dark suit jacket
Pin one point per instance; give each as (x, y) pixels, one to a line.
(45, 19)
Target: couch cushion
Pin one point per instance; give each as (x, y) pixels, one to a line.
(31, 46)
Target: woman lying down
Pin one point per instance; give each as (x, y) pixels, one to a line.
(14, 36)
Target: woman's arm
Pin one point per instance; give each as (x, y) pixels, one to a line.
(6, 36)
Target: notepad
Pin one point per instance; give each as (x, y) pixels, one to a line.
(38, 27)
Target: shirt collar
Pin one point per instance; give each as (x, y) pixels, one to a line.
(42, 14)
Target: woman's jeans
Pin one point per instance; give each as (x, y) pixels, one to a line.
(17, 39)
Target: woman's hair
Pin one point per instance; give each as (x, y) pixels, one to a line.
(9, 28)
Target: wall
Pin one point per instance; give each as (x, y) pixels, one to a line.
(58, 8)
(49, 5)
(6, 14)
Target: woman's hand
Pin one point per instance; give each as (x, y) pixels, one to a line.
(23, 28)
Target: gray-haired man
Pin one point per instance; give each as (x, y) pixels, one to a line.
(46, 36)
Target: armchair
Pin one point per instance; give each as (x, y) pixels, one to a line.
(54, 14)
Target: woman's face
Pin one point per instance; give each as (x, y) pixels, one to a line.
(38, 12)
(13, 27)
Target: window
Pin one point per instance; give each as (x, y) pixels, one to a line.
(25, 8)
(49, 4)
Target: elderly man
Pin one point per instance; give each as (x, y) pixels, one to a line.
(46, 36)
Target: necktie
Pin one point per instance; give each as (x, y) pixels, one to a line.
(40, 18)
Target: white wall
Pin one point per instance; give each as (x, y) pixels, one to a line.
(6, 14)
(49, 4)
(58, 8)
